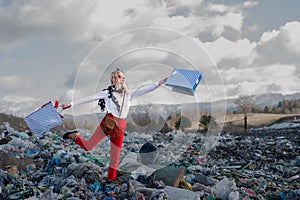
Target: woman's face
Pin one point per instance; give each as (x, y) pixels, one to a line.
(120, 77)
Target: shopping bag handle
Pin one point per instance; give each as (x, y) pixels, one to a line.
(57, 106)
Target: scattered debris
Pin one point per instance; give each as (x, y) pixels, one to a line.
(258, 164)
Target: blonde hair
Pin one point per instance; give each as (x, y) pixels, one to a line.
(112, 76)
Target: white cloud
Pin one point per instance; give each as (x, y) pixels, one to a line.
(176, 22)
(19, 99)
(239, 81)
(233, 20)
(12, 83)
(282, 75)
(249, 4)
(96, 20)
(22, 20)
(292, 29)
(220, 8)
(223, 48)
(263, 79)
(189, 3)
(146, 54)
(113, 17)
(19, 105)
(194, 25)
(279, 46)
(267, 36)
(270, 65)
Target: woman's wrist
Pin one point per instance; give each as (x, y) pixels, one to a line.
(66, 105)
(162, 81)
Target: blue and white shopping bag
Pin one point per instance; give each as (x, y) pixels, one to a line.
(184, 81)
(43, 119)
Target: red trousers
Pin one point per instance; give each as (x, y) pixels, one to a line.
(116, 138)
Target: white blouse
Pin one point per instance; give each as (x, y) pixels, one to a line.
(124, 102)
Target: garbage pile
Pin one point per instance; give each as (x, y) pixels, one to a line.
(153, 166)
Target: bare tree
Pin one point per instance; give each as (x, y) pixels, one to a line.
(245, 103)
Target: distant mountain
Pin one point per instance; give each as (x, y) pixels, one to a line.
(270, 100)
(273, 99)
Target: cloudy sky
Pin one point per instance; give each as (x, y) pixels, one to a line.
(65, 49)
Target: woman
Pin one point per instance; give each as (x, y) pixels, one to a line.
(116, 100)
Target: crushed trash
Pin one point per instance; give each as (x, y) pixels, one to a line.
(258, 164)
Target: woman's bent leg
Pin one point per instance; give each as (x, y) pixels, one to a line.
(90, 143)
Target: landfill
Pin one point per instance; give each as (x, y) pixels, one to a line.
(257, 164)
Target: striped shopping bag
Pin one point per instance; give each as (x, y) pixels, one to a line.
(184, 81)
(43, 119)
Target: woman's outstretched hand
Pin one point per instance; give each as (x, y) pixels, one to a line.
(66, 106)
(162, 81)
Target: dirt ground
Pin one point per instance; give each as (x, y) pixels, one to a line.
(254, 120)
